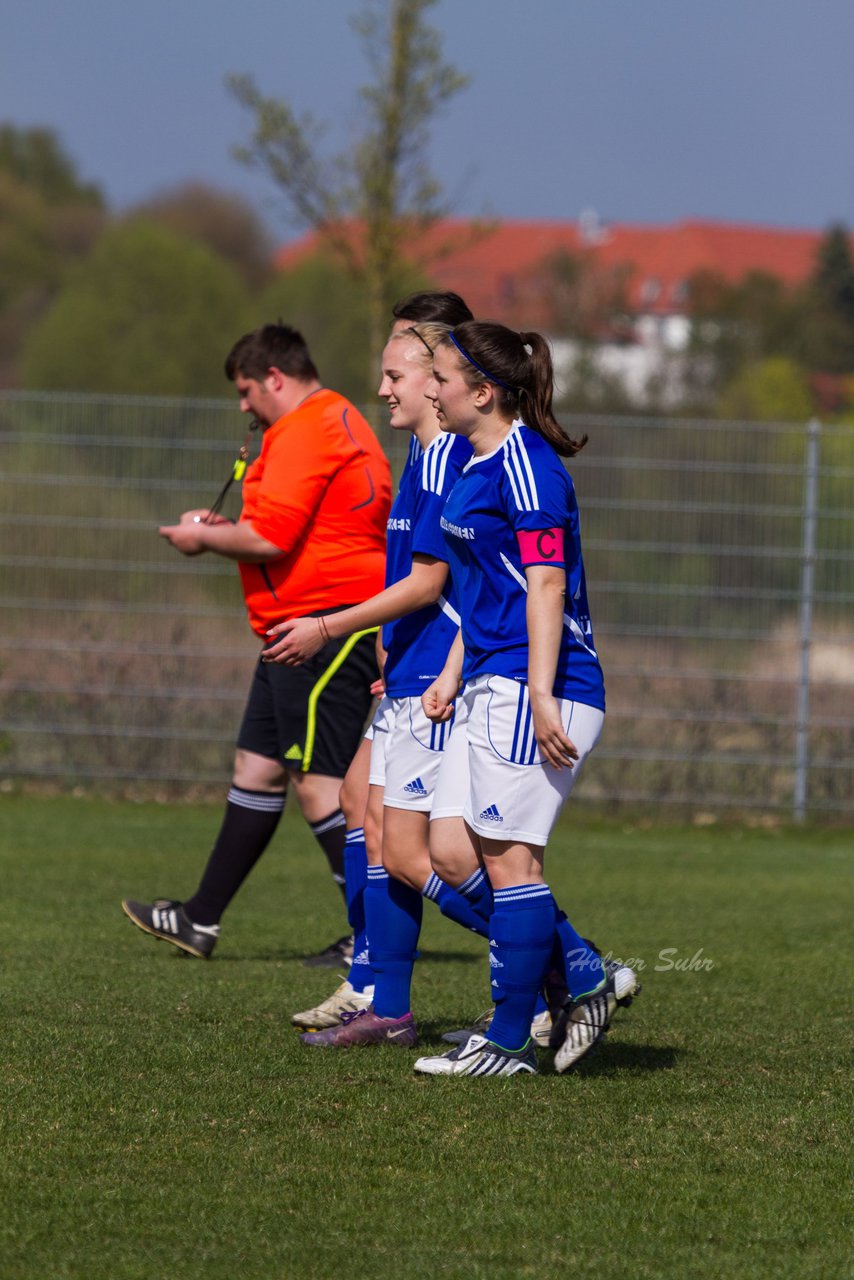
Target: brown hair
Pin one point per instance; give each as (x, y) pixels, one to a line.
(523, 379)
(425, 308)
(273, 346)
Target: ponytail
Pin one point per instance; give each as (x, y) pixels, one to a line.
(519, 366)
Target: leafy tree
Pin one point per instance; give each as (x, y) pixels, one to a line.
(36, 159)
(48, 220)
(586, 301)
(327, 303)
(223, 221)
(149, 312)
(772, 390)
(384, 185)
(829, 333)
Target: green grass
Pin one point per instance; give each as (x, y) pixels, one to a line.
(161, 1118)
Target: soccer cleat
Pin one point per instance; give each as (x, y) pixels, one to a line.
(612, 967)
(330, 1011)
(168, 921)
(365, 1027)
(333, 956)
(541, 1027)
(480, 1057)
(582, 1023)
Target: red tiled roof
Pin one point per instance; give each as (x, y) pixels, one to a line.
(496, 269)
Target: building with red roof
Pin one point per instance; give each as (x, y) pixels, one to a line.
(506, 272)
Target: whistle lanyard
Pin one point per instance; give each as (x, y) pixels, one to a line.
(237, 473)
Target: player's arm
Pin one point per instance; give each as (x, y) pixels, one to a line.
(301, 638)
(544, 611)
(234, 541)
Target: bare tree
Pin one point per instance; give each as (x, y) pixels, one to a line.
(371, 204)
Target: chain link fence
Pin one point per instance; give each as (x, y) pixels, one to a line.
(720, 563)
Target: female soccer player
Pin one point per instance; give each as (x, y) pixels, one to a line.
(533, 688)
(419, 624)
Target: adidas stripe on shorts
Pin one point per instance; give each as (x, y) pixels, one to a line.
(407, 748)
(510, 792)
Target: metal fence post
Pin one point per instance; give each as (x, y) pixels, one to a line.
(808, 539)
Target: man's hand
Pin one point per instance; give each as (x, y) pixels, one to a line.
(201, 515)
(185, 537)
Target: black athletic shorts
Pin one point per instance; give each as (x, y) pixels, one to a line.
(312, 717)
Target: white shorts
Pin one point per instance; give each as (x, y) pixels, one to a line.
(413, 750)
(452, 784)
(511, 792)
(378, 734)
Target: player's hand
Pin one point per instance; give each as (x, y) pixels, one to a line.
(184, 538)
(555, 747)
(301, 639)
(439, 697)
(378, 688)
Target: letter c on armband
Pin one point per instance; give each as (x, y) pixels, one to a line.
(542, 546)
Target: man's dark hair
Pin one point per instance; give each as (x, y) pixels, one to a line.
(273, 346)
(425, 308)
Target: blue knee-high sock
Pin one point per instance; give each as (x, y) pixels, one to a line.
(580, 966)
(453, 904)
(393, 917)
(521, 934)
(355, 878)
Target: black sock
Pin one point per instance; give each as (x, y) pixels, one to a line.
(331, 834)
(251, 818)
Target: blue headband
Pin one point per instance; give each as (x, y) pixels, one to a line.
(490, 377)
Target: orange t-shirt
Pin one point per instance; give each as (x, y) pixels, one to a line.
(320, 490)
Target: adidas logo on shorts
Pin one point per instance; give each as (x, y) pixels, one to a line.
(491, 814)
(415, 788)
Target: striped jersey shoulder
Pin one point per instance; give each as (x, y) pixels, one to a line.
(434, 463)
(519, 456)
(415, 452)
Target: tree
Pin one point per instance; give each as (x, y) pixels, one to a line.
(829, 334)
(48, 220)
(772, 390)
(36, 159)
(328, 305)
(223, 221)
(149, 312)
(384, 187)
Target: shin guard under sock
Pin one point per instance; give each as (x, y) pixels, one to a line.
(521, 933)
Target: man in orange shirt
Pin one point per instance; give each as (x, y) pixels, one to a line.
(310, 538)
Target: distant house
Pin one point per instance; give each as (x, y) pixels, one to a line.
(507, 271)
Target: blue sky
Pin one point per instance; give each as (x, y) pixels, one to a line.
(645, 110)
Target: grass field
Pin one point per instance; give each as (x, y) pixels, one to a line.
(161, 1118)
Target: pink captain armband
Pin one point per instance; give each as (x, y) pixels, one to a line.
(542, 546)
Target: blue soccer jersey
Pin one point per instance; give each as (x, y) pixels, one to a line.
(513, 508)
(418, 644)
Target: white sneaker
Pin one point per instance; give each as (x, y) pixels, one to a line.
(582, 1023)
(480, 1057)
(328, 1013)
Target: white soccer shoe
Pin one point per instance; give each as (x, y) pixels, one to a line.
(480, 1057)
(582, 1023)
(329, 1012)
